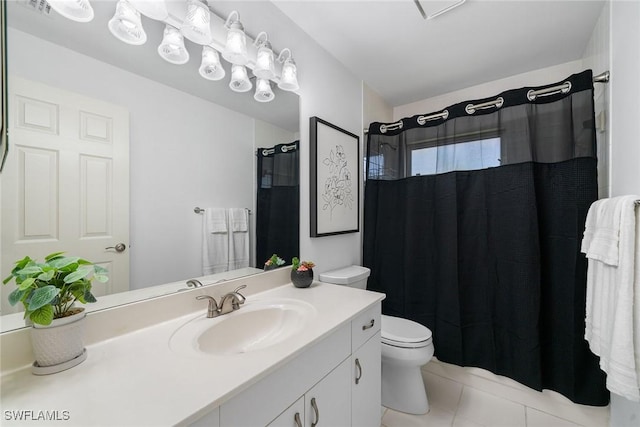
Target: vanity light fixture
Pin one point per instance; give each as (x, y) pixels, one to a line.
(289, 77)
(193, 19)
(239, 79)
(265, 67)
(211, 68)
(76, 10)
(235, 49)
(154, 9)
(197, 24)
(264, 93)
(126, 24)
(172, 47)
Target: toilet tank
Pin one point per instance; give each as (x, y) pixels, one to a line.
(353, 276)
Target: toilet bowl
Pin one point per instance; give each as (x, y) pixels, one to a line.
(406, 346)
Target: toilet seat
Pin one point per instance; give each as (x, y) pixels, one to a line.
(404, 333)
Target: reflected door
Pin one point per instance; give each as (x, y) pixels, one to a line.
(65, 186)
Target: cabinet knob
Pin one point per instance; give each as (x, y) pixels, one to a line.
(314, 405)
(296, 418)
(359, 368)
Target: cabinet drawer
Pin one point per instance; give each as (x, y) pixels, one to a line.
(364, 326)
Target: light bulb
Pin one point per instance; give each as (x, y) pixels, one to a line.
(239, 79)
(76, 10)
(265, 67)
(211, 68)
(172, 47)
(196, 24)
(126, 24)
(235, 50)
(263, 91)
(289, 77)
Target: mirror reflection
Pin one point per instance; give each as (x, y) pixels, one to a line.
(112, 148)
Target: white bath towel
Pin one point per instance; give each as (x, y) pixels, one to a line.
(215, 241)
(239, 242)
(613, 289)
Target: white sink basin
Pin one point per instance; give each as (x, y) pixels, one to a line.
(257, 325)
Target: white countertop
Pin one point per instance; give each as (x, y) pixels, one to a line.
(136, 379)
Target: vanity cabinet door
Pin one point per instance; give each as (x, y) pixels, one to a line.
(293, 416)
(328, 403)
(366, 370)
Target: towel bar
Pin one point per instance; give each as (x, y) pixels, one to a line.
(199, 210)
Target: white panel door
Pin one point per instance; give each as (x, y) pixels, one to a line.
(65, 185)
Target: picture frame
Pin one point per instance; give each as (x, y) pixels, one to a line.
(334, 179)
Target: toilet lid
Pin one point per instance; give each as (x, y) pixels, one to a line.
(396, 330)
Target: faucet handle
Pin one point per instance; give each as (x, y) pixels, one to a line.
(212, 309)
(242, 298)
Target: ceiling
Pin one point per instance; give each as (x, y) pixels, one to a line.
(406, 58)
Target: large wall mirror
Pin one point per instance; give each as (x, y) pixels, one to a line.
(75, 93)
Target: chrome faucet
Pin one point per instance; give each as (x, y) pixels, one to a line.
(232, 301)
(193, 283)
(212, 310)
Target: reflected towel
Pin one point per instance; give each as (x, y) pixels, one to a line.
(215, 220)
(215, 241)
(612, 326)
(239, 219)
(239, 243)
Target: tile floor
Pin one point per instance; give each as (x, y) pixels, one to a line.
(458, 405)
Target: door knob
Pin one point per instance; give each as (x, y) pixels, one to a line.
(120, 247)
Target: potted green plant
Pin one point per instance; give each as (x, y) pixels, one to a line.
(48, 291)
(301, 273)
(274, 262)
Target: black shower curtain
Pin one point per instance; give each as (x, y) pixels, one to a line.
(472, 227)
(278, 206)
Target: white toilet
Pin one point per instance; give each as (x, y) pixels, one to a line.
(406, 346)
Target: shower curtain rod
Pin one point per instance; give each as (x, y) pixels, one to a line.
(471, 108)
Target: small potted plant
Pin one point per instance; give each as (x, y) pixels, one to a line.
(274, 262)
(301, 273)
(48, 291)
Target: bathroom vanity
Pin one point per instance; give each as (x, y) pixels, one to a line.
(288, 356)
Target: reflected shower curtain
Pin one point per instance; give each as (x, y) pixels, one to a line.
(472, 227)
(278, 206)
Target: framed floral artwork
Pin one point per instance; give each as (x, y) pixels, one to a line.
(334, 178)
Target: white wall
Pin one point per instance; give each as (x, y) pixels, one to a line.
(186, 153)
(625, 135)
(597, 58)
(374, 108)
(329, 91)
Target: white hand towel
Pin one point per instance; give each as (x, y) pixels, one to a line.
(602, 231)
(612, 326)
(216, 220)
(215, 241)
(239, 218)
(239, 243)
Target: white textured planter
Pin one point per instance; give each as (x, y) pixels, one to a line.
(59, 343)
